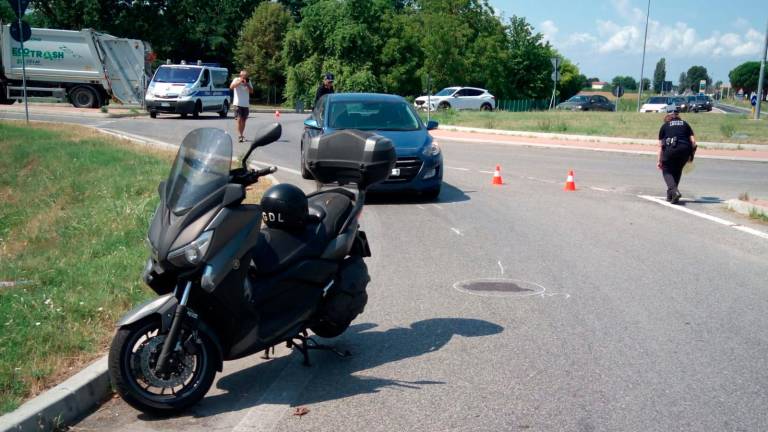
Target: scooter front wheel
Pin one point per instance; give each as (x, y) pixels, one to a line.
(132, 367)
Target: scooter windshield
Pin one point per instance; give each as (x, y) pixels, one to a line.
(201, 167)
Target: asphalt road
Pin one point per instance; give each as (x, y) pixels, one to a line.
(626, 314)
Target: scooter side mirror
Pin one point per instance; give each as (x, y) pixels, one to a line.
(268, 135)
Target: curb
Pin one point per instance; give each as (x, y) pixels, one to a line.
(600, 139)
(63, 404)
(745, 208)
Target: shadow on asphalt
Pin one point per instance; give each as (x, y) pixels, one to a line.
(333, 377)
(448, 194)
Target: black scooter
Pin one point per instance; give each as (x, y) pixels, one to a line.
(230, 287)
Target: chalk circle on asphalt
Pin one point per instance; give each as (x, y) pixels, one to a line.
(498, 287)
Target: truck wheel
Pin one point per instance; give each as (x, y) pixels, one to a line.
(83, 97)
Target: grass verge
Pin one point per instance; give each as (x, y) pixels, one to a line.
(731, 128)
(74, 210)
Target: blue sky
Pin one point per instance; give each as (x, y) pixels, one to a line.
(605, 37)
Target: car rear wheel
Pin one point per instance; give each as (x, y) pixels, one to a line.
(486, 107)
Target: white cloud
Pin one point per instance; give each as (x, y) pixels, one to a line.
(576, 39)
(549, 30)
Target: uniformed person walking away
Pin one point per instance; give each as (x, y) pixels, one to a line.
(325, 88)
(677, 147)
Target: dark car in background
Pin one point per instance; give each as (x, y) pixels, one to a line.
(699, 103)
(587, 103)
(678, 103)
(419, 165)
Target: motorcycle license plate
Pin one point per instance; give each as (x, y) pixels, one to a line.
(395, 172)
(165, 104)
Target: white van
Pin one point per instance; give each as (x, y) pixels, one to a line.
(189, 89)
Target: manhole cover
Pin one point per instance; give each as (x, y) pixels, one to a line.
(499, 288)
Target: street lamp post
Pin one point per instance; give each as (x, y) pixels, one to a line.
(642, 65)
(762, 77)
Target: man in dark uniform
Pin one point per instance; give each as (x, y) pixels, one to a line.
(325, 88)
(677, 145)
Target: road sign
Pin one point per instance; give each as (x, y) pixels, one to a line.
(702, 86)
(555, 76)
(618, 91)
(19, 6)
(555, 62)
(753, 100)
(20, 34)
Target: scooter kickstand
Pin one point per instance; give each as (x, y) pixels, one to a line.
(266, 352)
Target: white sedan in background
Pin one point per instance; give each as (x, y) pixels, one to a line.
(458, 98)
(656, 104)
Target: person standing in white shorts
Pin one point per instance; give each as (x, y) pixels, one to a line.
(242, 89)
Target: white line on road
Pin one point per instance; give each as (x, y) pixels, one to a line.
(600, 189)
(437, 206)
(457, 231)
(486, 172)
(458, 169)
(706, 216)
(421, 207)
(501, 267)
(281, 168)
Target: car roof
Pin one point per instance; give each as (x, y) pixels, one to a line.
(366, 97)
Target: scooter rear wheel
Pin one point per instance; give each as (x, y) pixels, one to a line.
(132, 359)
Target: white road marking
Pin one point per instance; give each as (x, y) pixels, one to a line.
(457, 168)
(457, 231)
(600, 189)
(501, 267)
(486, 172)
(437, 205)
(421, 207)
(280, 168)
(715, 219)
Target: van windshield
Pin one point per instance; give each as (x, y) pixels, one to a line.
(176, 74)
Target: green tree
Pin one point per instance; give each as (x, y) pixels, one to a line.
(6, 13)
(746, 76)
(646, 85)
(627, 82)
(260, 47)
(682, 82)
(660, 75)
(694, 75)
(571, 81)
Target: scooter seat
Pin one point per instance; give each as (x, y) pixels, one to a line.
(331, 209)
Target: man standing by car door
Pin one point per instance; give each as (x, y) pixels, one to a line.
(241, 101)
(325, 88)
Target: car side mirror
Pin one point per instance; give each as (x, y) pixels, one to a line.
(455, 95)
(432, 125)
(311, 123)
(268, 135)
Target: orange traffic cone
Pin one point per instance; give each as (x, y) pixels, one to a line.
(570, 185)
(277, 115)
(497, 176)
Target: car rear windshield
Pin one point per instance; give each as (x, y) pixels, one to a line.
(394, 116)
(657, 100)
(446, 91)
(177, 74)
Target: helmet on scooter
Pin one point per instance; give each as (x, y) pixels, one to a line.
(284, 206)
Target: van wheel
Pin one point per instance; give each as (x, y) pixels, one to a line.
(83, 97)
(198, 109)
(224, 110)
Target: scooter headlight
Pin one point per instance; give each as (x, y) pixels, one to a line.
(195, 251)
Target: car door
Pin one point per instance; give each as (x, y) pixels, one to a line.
(318, 116)
(460, 99)
(474, 98)
(205, 89)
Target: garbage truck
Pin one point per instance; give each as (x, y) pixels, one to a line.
(86, 67)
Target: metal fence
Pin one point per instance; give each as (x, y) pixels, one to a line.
(522, 105)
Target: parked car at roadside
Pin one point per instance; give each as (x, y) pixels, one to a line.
(458, 98)
(587, 103)
(699, 103)
(419, 165)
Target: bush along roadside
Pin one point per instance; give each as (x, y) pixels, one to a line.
(74, 214)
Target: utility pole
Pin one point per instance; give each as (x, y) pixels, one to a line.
(761, 81)
(642, 65)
